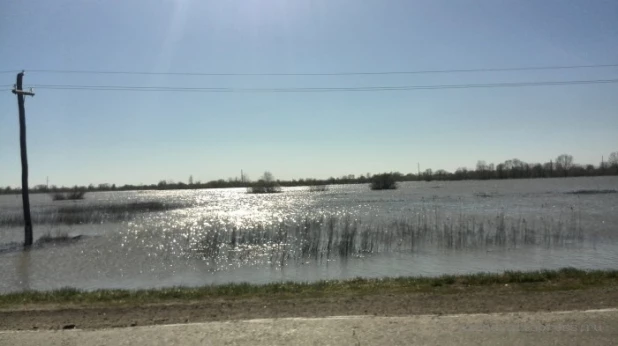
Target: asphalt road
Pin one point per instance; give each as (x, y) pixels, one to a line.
(593, 327)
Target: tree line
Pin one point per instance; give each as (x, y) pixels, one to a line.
(563, 166)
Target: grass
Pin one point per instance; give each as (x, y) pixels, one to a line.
(591, 192)
(551, 280)
(71, 195)
(84, 214)
(384, 181)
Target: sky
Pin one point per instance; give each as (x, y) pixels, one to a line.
(128, 137)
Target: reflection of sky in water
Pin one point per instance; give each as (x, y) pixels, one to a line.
(194, 245)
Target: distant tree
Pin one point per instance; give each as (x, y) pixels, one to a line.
(481, 169)
(268, 177)
(589, 169)
(537, 171)
(565, 163)
(40, 188)
(613, 159)
(500, 170)
(191, 180)
(461, 173)
(441, 174)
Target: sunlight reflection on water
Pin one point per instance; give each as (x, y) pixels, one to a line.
(228, 235)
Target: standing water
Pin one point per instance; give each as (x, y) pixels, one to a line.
(195, 237)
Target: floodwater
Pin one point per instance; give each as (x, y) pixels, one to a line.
(197, 237)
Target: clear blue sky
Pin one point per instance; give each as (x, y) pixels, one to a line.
(81, 137)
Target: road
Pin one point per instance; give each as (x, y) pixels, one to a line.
(592, 327)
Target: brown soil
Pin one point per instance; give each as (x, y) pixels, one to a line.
(476, 300)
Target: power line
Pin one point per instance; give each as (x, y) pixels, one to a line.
(527, 68)
(317, 89)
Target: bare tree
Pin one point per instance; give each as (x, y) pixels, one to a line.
(190, 180)
(564, 162)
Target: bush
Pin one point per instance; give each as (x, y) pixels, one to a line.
(318, 188)
(264, 188)
(384, 181)
(71, 195)
(267, 184)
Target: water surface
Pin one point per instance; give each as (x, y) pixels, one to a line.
(226, 235)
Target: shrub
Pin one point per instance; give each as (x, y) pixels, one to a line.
(318, 188)
(267, 184)
(264, 188)
(71, 195)
(384, 181)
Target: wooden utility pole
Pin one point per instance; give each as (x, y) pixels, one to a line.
(17, 90)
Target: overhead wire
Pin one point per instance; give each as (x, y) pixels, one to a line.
(315, 89)
(277, 74)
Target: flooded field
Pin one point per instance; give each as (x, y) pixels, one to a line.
(195, 237)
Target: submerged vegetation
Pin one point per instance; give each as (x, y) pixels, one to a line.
(85, 214)
(592, 192)
(222, 242)
(563, 279)
(57, 238)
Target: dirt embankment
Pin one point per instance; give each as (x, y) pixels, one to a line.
(472, 300)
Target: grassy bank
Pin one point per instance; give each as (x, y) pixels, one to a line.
(545, 280)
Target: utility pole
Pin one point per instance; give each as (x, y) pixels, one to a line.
(17, 90)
